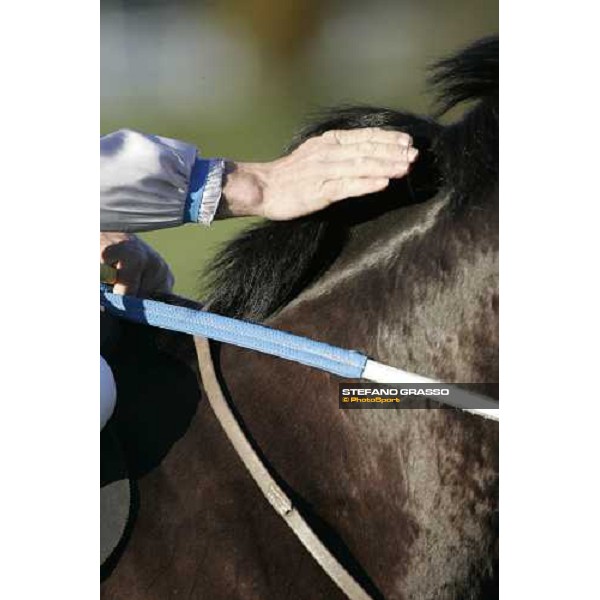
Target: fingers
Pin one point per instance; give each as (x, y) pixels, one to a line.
(125, 255)
(129, 277)
(339, 189)
(367, 134)
(111, 254)
(139, 268)
(368, 152)
(156, 279)
(338, 164)
(364, 167)
(391, 152)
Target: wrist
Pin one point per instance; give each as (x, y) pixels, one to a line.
(243, 190)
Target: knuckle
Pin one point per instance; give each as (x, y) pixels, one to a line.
(341, 136)
(405, 137)
(311, 143)
(370, 132)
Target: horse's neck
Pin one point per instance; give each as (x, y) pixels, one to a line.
(386, 295)
(415, 288)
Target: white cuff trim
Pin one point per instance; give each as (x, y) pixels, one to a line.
(211, 194)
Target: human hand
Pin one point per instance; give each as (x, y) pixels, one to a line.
(140, 269)
(323, 170)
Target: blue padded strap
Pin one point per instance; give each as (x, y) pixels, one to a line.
(345, 363)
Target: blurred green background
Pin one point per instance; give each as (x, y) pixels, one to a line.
(239, 77)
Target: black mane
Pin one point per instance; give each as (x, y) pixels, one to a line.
(265, 267)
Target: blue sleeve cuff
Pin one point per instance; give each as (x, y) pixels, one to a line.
(193, 201)
(204, 193)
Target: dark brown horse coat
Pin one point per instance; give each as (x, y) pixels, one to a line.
(406, 498)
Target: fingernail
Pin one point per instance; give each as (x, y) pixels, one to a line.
(412, 154)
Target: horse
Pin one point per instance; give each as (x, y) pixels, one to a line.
(407, 499)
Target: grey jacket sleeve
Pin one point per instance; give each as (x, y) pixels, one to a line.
(149, 182)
